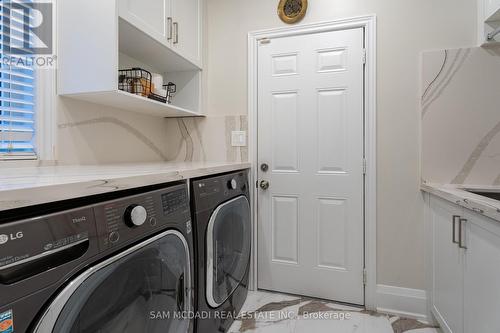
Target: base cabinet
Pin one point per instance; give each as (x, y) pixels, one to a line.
(482, 275)
(447, 267)
(465, 295)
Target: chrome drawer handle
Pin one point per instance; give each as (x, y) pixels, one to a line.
(461, 239)
(176, 38)
(170, 28)
(454, 229)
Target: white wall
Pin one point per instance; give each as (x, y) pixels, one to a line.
(405, 28)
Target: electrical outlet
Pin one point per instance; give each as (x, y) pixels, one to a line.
(239, 138)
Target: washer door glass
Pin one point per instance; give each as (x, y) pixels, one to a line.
(228, 249)
(140, 292)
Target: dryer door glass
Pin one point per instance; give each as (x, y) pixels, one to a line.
(228, 249)
(139, 292)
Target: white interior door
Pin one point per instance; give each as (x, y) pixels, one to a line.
(310, 134)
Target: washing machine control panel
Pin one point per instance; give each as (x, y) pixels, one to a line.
(29, 247)
(126, 220)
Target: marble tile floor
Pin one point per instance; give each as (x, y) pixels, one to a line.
(266, 312)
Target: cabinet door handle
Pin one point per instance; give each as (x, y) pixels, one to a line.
(461, 234)
(169, 24)
(176, 39)
(454, 229)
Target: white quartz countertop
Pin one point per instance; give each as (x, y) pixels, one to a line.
(459, 196)
(22, 187)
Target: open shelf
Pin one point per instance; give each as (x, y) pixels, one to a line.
(126, 101)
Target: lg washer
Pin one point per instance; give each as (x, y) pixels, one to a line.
(120, 264)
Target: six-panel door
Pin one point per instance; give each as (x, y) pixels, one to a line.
(310, 133)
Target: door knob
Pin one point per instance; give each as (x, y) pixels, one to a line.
(264, 184)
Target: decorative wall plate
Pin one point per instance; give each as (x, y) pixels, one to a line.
(292, 11)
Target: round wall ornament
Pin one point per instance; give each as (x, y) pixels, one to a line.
(292, 11)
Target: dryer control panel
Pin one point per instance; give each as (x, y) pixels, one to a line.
(210, 190)
(125, 220)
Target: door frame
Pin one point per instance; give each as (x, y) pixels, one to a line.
(368, 23)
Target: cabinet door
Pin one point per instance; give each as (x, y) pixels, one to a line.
(150, 16)
(186, 30)
(482, 275)
(447, 276)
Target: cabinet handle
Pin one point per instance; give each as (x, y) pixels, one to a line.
(176, 26)
(169, 23)
(461, 239)
(454, 229)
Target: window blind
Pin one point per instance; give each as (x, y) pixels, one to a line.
(17, 89)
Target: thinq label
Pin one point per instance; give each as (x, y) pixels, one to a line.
(6, 322)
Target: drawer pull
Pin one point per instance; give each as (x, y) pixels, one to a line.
(170, 28)
(454, 229)
(461, 234)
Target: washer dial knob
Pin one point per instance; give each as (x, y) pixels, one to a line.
(232, 184)
(135, 215)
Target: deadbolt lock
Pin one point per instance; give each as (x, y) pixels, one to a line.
(264, 167)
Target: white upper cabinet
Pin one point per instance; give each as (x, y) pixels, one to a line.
(128, 34)
(150, 16)
(488, 21)
(175, 23)
(186, 28)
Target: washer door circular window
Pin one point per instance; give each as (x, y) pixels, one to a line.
(228, 249)
(139, 290)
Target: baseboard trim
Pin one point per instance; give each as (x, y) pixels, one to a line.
(404, 302)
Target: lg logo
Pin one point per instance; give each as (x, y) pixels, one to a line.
(5, 238)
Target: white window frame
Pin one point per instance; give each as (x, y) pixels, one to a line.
(45, 115)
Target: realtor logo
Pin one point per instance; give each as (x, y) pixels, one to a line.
(27, 27)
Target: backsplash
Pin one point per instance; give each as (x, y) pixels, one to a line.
(206, 139)
(461, 116)
(94, 134)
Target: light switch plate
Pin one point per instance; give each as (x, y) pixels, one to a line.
(239, 138)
